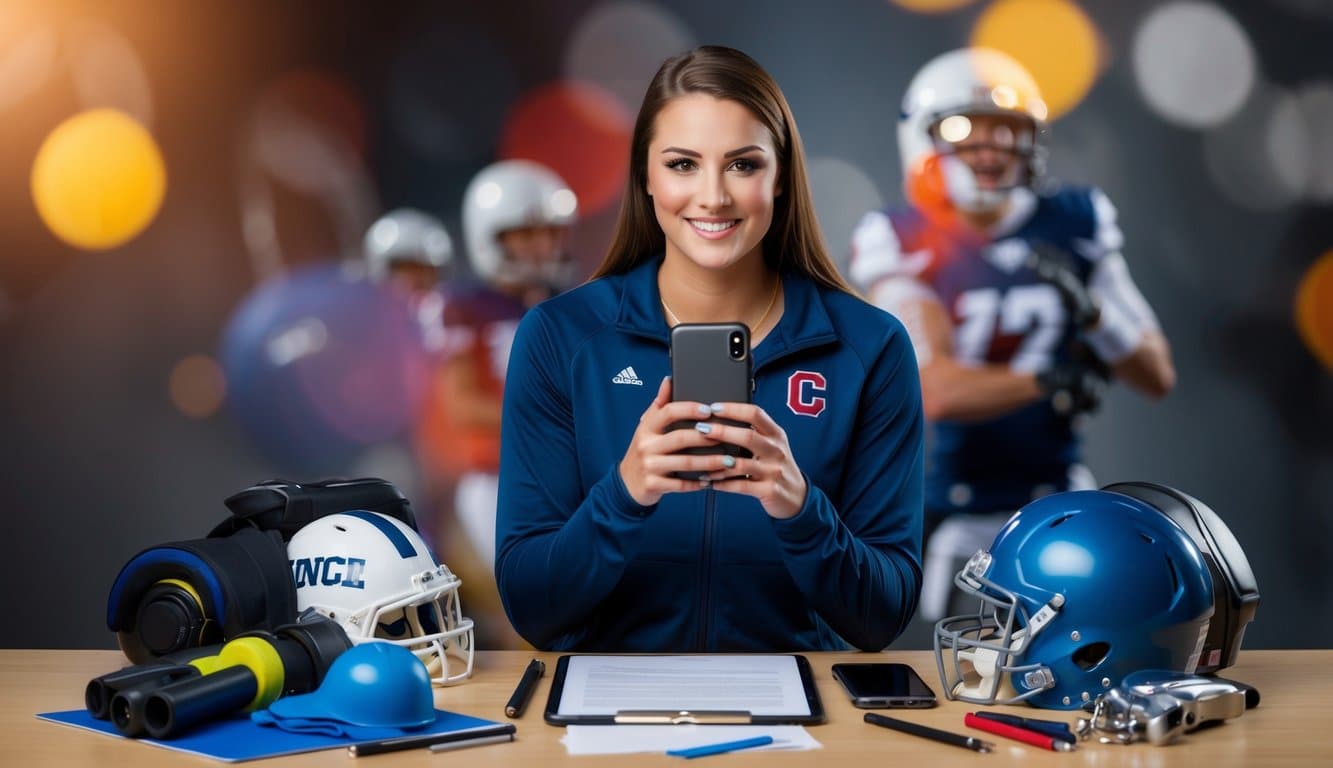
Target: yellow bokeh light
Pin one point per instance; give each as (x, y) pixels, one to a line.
(1054, 39)
(931, 6)
(1314, 309)
(98, 179)
(197, 386)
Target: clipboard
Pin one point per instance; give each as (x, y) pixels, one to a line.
(758, 689)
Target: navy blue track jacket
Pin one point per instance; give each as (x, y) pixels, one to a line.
(582, 566)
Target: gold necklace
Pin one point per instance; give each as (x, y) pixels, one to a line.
(771, 301)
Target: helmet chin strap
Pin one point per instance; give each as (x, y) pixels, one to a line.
(985, 663)
(964, 191)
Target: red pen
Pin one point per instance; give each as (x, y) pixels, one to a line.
(1016, 733)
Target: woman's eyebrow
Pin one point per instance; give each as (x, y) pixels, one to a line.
(732, 153)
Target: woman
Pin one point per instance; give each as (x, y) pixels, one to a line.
(815, 543)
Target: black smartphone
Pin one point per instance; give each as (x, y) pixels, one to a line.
(710, 363)
(883, 685)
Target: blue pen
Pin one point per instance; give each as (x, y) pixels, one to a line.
(717, 749)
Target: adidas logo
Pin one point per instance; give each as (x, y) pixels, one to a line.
(628, 376)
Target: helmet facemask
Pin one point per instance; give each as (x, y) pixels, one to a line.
(428, 622)
(988, 644)
(535, 254)
(985, 183)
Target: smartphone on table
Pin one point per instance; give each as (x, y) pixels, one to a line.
(710, 363)
(883, 684)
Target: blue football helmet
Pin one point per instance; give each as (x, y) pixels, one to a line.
(1078, 590)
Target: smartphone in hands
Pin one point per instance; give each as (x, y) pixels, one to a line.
(883, 685)
(710, 363)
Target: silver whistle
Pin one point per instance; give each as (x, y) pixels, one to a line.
(1157, 706)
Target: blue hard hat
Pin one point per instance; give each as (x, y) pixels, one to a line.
(373, 684)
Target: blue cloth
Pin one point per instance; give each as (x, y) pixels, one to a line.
(238, 738)
(327, 727)
(582, 566)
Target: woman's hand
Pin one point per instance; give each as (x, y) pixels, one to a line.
(654, 452)
(771, 476)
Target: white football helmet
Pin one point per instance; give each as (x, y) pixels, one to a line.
(375, 577)
(407, 235)
(508, 195)
(963, 82)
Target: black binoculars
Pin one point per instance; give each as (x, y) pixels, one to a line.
(167, 698)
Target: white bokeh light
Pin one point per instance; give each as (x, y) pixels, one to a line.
(489, 194)
(843, 194)
(564, 202)
(1260, 159)
(1316, 104)
(620, 45)
(27, 56)
(1193, 63)
(107, 72)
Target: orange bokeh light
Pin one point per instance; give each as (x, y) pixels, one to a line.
(1314, 309)
(98, 180)
(1054, 39)
(931, 6)
(197, 386)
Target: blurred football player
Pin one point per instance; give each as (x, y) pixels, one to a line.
(411, 253)
(516, 220)
(408, 249)
(1016, 296)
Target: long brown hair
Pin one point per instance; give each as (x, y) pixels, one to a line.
(794, 241)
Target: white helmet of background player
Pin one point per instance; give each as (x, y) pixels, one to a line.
(514, 194)
(407, 236)
(967, 81)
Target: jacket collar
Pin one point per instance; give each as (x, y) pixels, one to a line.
(805, 321)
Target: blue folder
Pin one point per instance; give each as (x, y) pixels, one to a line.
(238, 739)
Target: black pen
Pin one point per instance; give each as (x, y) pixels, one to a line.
(526, 685)
(925, 731)
(483, 735)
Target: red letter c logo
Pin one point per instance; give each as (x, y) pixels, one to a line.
(801, 389)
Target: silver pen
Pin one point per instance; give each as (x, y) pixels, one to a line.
(484, 740)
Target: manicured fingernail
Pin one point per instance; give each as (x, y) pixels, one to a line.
(715, 407)
(704, 410)
(728, 461)
(704, 482)
(702, 427)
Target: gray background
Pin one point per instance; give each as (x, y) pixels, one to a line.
(98, 464)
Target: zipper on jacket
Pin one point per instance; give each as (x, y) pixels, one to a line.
(705, 581)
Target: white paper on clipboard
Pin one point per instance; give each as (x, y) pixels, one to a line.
(758, 684)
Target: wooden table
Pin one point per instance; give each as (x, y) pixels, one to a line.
(1287, 728)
